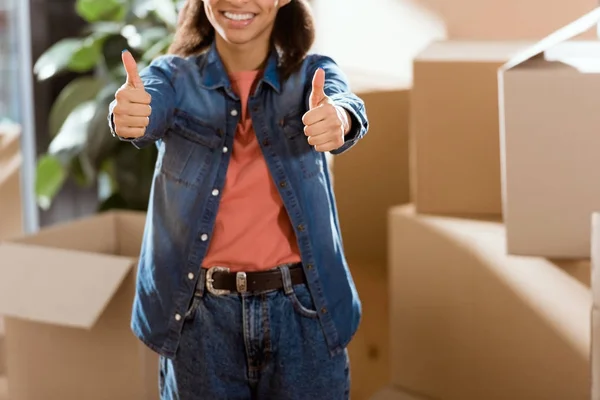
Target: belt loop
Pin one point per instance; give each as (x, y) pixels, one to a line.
(286, 279)
(201, 284)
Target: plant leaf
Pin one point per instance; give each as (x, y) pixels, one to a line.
(166, 11)
(76, 92)
(100, 144)
(106, 27)
(101, 10)
(141, 8)
(157, 49)
(71, 137)
(116, 201)
(57, 58)
(88, 54)
(78, 174)
(50, 177)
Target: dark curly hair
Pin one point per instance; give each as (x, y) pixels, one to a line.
(293, 34)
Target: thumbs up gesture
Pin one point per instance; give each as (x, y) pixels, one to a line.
(325, 124)
(131, 114)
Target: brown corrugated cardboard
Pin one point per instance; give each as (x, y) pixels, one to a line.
(455, 159)
(11, 223)
(369, 350)
(67, 293)
(595, 276)
(470, 322)
(3, 388)
(595, 354)
(549, 139)
(10, 188)
(373, 176)
(393, 393)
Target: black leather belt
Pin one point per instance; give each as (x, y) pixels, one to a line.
(220, 281)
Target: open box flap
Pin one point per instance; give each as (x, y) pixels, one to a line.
(472, 51)
(8, 167)
(575, 28)
(58, 286)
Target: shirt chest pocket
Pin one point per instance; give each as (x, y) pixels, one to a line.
(309, 160)
(189, 147)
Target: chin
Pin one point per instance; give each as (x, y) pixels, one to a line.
(239, 38)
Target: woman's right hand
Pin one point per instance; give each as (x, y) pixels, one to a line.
(131, 114)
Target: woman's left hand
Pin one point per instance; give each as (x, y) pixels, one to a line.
(325, 124)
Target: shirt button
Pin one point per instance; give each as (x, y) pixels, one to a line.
(190, 276)
(177, 317)
(309, 266)
(323, 310)
(301, 228)
(283, 184)
(225, 149)
(215, 192)
(234, 112)
(204, 237)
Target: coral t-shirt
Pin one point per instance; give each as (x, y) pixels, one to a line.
(252, 230)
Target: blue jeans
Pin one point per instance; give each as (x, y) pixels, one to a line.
(262, 345)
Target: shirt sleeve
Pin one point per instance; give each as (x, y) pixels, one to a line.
(158, 80)
(338, 90)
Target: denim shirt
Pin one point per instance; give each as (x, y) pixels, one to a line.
(194, 117)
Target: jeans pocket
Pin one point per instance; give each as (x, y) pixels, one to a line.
(191, 312)
(302, 301)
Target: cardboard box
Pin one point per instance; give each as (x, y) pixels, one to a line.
(393, 393)
(595, 345)
(470, 322)
(455, 154)
(369, 350)
(373, 176)
(67, 294)
(550, 141)
(11, 210)
(3, 388)
(595, 354)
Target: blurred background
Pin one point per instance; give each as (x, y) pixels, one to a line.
(414, 62)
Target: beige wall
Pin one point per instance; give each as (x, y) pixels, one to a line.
(383, 36)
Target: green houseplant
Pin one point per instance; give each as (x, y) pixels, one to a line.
(81, 146)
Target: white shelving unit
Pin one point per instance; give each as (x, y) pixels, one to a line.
(16, 93)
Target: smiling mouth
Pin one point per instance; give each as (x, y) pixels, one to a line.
(238, 16)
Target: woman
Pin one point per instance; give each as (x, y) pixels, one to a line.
(243, 288)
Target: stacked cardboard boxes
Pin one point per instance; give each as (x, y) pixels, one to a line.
(595, 315)
(368, 180)
(374, 176)
(489, 268)
(471, 322)
(67, 293)
(550, 138)
(455, 157)
(10, 200)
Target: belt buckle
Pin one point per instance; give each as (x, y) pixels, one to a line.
(210, 281)
(241, 281)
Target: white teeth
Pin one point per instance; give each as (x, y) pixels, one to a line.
(238, 17)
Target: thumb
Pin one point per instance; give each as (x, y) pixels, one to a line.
(318, 88)
(133, 76)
